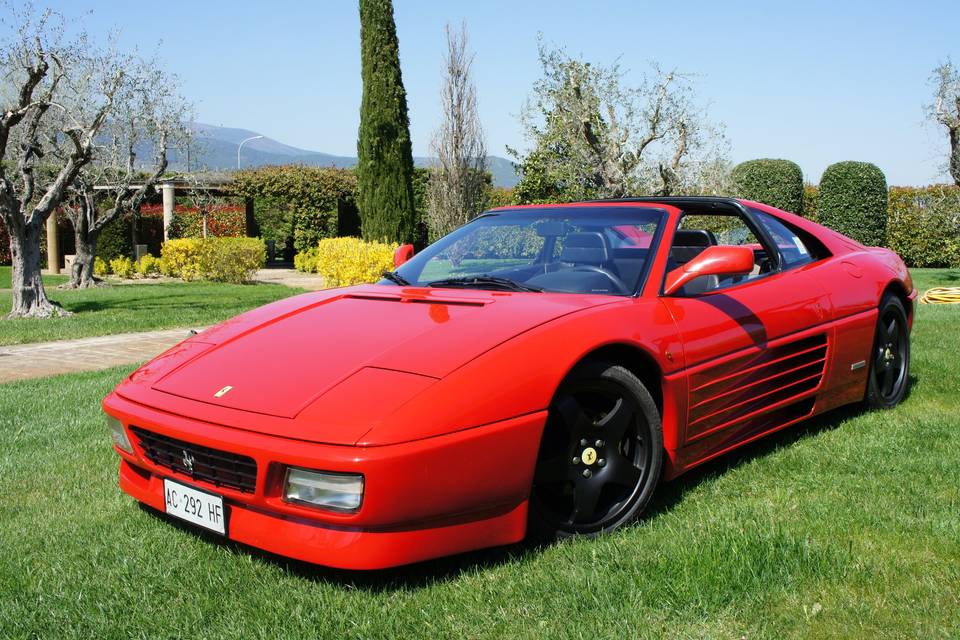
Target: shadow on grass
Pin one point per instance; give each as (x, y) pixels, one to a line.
(424, 574)
(131, 305)
(170, 300)
(947, 278)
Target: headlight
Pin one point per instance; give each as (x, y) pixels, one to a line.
(118, 434)
(327, 490)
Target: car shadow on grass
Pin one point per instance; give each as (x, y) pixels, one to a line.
(427, 573)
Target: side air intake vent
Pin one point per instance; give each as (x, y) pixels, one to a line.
(738, 390)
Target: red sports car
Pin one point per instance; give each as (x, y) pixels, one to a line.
(541, 369)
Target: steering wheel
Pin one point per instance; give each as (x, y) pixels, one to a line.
(617, 282)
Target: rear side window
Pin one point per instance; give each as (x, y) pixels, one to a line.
(793, 250)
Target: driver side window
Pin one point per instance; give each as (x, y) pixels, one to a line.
(697, 232)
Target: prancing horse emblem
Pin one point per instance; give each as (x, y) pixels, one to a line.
(222, 392)
(188, 461)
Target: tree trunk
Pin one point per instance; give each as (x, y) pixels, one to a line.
(81, 273)
(29, 297)
(955, 155)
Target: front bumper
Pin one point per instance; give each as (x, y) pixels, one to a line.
(423, 499)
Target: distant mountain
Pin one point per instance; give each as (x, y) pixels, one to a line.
(215, 148)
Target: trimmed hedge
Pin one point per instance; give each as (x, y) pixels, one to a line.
(778, 183)
(307, 203)
(853, 200)
(220, 259)
(924, 225)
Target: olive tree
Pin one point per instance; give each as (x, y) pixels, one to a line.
(148, 117)
(57, 95)
(595, 136)
(945, 110)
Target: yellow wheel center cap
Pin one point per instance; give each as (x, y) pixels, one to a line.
(589, 456)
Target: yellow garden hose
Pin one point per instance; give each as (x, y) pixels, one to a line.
(941, 295)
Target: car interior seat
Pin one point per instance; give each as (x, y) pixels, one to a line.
(587, 247)
(687, 245)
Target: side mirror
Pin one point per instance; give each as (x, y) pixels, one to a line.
(712, 261)
(401, 254)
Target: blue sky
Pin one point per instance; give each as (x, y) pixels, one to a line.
(816, 82)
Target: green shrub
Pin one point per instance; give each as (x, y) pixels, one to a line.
(100, 267)
(853, 200)
(923, 226)
(306, 261)
(122, 267)
(498, 197)
(347, 261)
(778, 183)
(114, 240)
(220, 259)
(811, 200)
(148, 266)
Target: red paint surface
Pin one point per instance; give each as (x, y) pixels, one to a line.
(439, 397)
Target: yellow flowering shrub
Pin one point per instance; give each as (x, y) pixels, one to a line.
(100, 267)
(182, 258)
(122, 267)
(220, 259)
(347, 261)
(306, 260)
(148, 266)
(233, 260)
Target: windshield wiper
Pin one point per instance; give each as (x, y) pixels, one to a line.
(396, 278)
(483, 280)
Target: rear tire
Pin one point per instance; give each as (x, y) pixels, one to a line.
(600, 455)
(890, 356)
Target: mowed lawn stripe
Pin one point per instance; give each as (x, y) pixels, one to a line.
(846, 527)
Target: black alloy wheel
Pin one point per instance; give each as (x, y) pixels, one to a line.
(890, 357)
(600, 455)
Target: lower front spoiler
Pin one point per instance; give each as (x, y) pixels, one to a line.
(346, 547)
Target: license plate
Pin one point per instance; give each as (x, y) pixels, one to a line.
(199, 507)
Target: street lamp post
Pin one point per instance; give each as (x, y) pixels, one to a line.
(241, 147)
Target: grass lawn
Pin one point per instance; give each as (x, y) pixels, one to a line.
(848, 527)
(126, 308)
(48, 281)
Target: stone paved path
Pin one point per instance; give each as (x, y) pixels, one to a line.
(37, 360)
(290, 278)
(19, 362)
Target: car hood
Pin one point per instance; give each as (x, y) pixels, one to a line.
(280, 359)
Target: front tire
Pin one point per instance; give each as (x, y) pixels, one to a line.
(600, 455)
(890, 357)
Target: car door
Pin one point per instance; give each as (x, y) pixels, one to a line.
(754, 351)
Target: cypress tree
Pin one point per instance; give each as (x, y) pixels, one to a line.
(385, 159)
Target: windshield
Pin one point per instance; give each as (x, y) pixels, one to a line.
(596, 249)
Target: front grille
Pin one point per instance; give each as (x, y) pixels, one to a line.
(219, 468)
